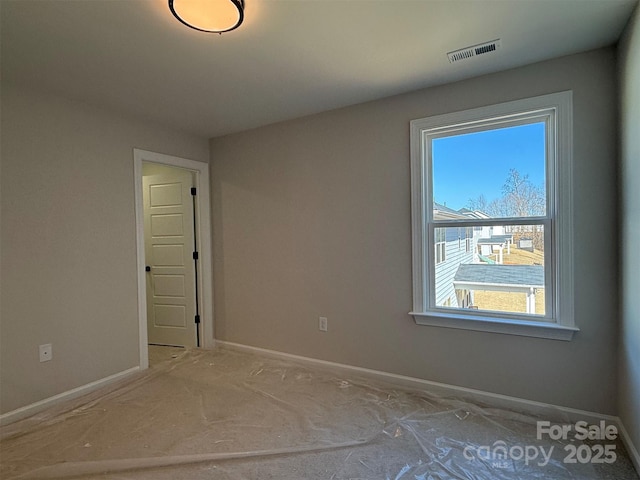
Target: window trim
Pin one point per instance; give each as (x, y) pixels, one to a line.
(468, 240)
(440, 246)
(560, 325)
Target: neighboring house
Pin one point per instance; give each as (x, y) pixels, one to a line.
(453, 246)
(470, 259)
(493, 239)
(525, 279)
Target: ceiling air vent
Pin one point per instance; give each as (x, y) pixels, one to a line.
(474, 51)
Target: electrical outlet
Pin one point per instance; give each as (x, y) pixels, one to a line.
(322, 324)
(46, 352)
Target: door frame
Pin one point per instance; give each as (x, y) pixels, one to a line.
(203, 239)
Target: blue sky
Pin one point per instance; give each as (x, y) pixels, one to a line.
(466, 166)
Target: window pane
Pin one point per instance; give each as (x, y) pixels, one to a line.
(498, 172)
(503, 270)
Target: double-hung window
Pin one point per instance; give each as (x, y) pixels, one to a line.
(498, 177)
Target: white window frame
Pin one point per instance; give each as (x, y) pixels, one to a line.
(558, 321)
(440, 247)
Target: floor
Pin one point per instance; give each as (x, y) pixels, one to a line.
(159, 354)
(226, 414)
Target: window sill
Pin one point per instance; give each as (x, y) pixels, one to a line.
(478, 323)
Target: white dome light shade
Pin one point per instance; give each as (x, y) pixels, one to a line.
(215, 16)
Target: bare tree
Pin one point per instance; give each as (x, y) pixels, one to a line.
(520, 198)
(478, 204)
(523, 198)
(499, 208)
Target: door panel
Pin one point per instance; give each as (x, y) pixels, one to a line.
(165, 195)
(167, 255)
(167, 225)
(168, 221)
(173, 316)
(168, 285)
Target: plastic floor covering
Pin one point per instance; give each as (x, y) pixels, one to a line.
(225, 414)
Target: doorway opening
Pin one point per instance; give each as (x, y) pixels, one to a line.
(175, 305)
(171, 255)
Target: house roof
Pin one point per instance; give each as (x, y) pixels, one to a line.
(495, 239)
(441, 212)
(501, 275)
(473, 213)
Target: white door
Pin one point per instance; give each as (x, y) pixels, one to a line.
(169, 247)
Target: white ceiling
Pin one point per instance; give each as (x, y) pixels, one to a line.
(288, 59)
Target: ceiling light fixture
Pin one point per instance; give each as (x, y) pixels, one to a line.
(212, 16)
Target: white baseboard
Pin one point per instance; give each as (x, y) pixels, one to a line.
(631, 448)
(36, 407)
(487, 398)
(548, 411)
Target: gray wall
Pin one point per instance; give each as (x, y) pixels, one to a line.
(629, 57)
(68, 241)
(312, 217)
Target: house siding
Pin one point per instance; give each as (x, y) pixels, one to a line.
(455, 254)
